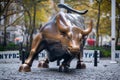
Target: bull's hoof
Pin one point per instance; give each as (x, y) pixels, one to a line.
(64, 68)
(24, 68)
(43, 64)
(61, 68)
(80, 65)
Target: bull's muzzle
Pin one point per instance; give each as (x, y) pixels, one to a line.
(74, 50)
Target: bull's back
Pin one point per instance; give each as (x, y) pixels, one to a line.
(50, 31)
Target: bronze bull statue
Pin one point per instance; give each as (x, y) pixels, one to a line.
(61, 37)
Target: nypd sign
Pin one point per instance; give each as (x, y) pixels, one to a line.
(88, 55)
(9, 56)
(117, 55)
(42, 55)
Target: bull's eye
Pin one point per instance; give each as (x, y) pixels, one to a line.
(64, 35)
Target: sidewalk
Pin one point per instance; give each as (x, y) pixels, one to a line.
(104, 71)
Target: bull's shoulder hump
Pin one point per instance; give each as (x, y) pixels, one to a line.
(48, 24)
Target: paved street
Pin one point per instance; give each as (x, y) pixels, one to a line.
(104, 71)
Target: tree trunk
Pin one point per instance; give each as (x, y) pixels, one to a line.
(29, 30)
(5, 34)
(97, 25)
(5, 27)
(33, 27)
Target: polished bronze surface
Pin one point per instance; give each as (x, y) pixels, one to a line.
(61, 37)
(24, 68)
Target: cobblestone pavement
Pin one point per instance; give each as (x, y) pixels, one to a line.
(104, 71)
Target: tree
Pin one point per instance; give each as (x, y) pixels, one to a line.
(4, 11)
(35, 13)
(106, 9)
(118, 21)
(98, 21)
(7, 10)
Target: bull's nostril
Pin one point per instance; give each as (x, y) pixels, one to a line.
(73, 49)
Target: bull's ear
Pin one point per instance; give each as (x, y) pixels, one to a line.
(88, 30)
(61, 23)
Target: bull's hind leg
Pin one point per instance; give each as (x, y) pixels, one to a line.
(44, 63)
(26, 67)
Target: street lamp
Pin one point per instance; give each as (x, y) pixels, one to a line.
(113, 25)
(62, 2)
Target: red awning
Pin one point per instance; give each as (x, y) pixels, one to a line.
(17, 39)
(91, 42)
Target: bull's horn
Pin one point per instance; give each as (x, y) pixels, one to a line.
(61, 26)
(69, 9)
(88, 30)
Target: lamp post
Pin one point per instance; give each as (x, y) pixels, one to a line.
(61, 2)
(113, 25)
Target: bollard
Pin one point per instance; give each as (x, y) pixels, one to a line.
(23, 56)
(95, 58)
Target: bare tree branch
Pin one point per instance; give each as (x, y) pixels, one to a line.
(5, 6)
(15, 21)
(16, 12)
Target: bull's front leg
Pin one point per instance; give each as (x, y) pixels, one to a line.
(26, 67)
(80, 63)
(64, 67)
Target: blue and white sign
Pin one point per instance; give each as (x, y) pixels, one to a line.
(88, 55)
(9, 56)
(117, 55)
(42, 55)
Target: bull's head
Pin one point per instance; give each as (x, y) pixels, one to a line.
(76, 36)
(73, 35)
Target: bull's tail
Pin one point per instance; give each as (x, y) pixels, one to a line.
(69, 9)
